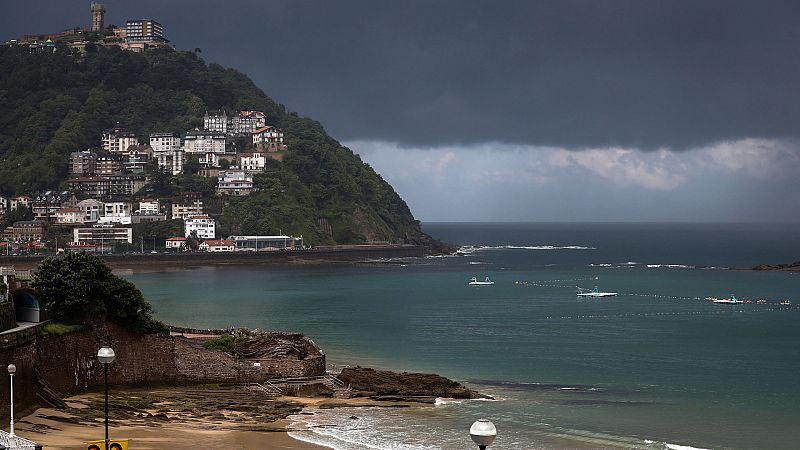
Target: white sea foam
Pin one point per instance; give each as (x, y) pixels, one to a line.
(683, 447)
(468, 249)
(669, 266)
(441, 401)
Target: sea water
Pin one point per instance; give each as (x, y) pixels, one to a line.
(656, 367)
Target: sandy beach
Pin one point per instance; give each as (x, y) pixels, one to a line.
(166, 418)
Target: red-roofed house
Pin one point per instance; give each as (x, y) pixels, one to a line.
(217, 245)
(269, 139)
(176, 242)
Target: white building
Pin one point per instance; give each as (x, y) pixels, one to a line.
(92, 210)
(246, 122)
(217, 123)
(104, 235)
(116, 212)
(16, 202)
(3, 204)
(69, 216)
(149, 206)
(118, 139)
(209, 160)
(176, 242)
(199, 142)
(144, 31)
(167, 151)
(267, 243)
(269, 139)
(217, 246)
(235, 182)
(203, 225)
(252, 162)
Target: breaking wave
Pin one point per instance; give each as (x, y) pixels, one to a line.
(468, 249)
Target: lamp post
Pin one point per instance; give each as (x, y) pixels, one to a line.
(483, 433)
(106, 357)
(11, 370)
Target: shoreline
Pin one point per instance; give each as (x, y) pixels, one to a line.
(321, 256)
(181, 423)
(183, 416)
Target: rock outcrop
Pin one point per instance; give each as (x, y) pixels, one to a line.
(791, 267)
(403, 386)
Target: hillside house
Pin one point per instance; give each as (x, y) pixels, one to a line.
(269, 139)
(252, 162)
(187, 204)
(203, 225)
(235, 182)
(82, 163)
(69, 216)
(92, 210)
(118, 139)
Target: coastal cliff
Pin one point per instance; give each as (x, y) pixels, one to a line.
(53, 104)
(56, 366)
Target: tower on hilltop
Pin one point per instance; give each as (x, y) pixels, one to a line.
(98, 16)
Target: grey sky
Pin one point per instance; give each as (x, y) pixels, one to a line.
(394, 79)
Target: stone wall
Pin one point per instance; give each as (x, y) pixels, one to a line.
(68, 364)
(8, 318)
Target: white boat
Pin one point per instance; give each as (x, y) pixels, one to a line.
(474, 282)
(596, 293)
(728, 301)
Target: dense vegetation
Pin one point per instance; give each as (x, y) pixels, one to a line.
(54, 104)
(79, 288)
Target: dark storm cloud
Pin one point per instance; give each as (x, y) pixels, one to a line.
(564, 73)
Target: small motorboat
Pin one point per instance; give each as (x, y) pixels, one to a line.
(595, 293)
(474, 282)
(728, 301)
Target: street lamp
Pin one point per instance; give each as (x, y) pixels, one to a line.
(11, 370)
(106, 357)
(482, 433)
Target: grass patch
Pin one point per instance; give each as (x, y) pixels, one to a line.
(224, 342)
(60, 329)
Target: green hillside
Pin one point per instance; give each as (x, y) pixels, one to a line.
(54, 104)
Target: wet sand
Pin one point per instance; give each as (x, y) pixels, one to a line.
(191, 427)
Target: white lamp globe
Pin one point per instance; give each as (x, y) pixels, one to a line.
(483, 432)
(12, 368)
(106, 355)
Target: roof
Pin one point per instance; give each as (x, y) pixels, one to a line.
(219, 242)
(176, 238)
(262, 129)
(199, 216)
(248, 113)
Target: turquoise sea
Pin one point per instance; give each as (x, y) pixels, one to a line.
(656, 367)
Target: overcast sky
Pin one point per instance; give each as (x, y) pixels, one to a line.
(492, 110)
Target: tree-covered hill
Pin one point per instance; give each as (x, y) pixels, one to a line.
(54, 104)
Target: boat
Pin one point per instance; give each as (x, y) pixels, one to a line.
(728, 301)
(596, 293)
(474, 282)
(784, 302)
